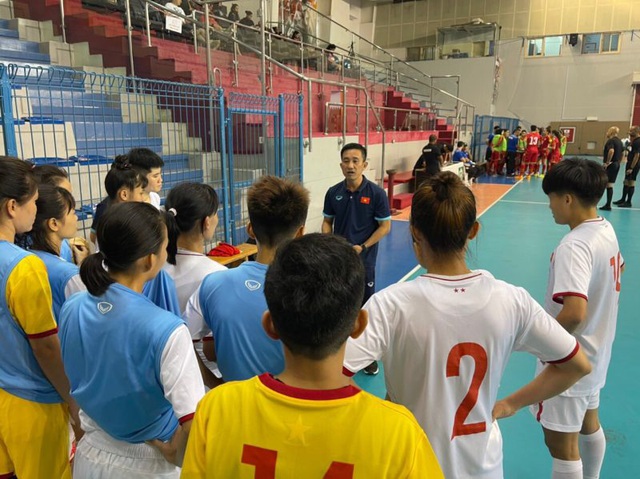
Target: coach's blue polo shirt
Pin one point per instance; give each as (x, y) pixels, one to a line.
(356, 213)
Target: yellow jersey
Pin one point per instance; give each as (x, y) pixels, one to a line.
(264, 429)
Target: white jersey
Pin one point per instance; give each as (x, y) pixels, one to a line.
(189, 271)
(444, 343)
(587, 263)
(154, 199)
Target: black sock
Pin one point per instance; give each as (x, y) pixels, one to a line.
(609, 195)
(623, 198)
(630, 191)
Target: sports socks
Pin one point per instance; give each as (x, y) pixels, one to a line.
(609, 195)
(566, 469)
(623, 198)
(630, 191)
(592, 448)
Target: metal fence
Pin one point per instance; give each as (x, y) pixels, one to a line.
(80, 121)
(484, 127)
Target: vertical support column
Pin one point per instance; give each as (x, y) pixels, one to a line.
(390, 183)
(301, 135)
(8, 125)
(224, 167)
(280, 163)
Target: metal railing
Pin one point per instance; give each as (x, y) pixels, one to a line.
(411, 120)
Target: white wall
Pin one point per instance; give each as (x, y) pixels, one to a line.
(476, 79)
(539, 90)
(569, 87)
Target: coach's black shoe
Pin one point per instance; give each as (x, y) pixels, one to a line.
(605, 208)
(619, 202)
(626, 204)
(372, 369)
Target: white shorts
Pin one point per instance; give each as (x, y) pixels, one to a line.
(564, 413)
(99, 456)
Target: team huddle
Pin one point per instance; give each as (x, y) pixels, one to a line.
(106, 357)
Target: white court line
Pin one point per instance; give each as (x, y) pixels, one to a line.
(546, 204)
(413, 271)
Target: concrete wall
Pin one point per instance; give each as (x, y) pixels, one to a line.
(416, 23)
(572, 86)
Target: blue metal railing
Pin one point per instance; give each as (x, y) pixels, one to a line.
(80, 121)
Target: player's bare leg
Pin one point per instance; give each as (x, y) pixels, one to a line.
(592, 444)
(565, 451)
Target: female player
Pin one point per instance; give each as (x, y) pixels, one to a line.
(56, 221)
(445, 338)
(192, 217)
(33, 386)
(131, 364)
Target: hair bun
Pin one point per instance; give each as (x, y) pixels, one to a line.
(121, 162)
(443, 183)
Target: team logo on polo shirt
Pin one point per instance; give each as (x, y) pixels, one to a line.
(252, 285)
(365, 200)
(104, 307)
(338, 198)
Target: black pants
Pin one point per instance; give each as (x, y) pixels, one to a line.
(511, 162)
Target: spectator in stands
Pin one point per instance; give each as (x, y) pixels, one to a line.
(234, 16)
(175, 6)
(247, 21)
(214, 28)
(333, 65)
(296, 36)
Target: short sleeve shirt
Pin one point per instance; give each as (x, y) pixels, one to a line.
(616, 144)
(100, 210)
(430, 158)
(356, 214)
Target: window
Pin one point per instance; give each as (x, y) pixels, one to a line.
(601, 43)
(610, 42)
(544, 47)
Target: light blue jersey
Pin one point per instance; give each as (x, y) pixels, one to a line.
(65, 251)
(162, 292)
(112, 348)
(59, 272)
(232, 305)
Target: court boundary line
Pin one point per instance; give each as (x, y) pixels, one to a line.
(413, 271)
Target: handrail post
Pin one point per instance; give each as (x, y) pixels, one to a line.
(207, 39)
(130, 38)
(63, 25)
(344, 114)
(391, 176)
(147, 23)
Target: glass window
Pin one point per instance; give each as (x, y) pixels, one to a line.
(610, 42)
(552, 46)
(535, 47)
(591, 43)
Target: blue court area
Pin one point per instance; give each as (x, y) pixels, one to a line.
(516, 241)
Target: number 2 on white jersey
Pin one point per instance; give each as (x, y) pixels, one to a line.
(479, 356)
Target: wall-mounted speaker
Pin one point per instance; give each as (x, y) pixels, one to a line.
(573, 39)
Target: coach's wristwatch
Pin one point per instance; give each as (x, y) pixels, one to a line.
(364, 247)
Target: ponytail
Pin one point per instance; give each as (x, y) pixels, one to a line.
(173, 231)
(94, 275)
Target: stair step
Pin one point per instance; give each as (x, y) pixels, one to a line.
(25, 57)
(8, 33)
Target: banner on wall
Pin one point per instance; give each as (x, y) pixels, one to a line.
(569, 132)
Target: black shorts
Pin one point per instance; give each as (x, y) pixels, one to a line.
(634, 173)
(612, 171)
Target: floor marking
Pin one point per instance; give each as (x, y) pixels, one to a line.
(414, 270)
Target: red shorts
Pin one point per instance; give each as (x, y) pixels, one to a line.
(496, 156)
(531, 156)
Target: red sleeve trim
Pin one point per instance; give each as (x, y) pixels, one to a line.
(567, 358)
(347, 373)
(44, 334)
(186, 418)
(559, 297)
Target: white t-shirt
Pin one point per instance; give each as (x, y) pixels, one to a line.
(189, 271)
(154, 198)
(173, 7)
(587, 264)
(444, 343)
